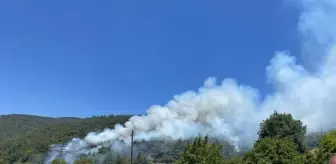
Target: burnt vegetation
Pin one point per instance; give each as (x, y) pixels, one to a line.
(282, 140)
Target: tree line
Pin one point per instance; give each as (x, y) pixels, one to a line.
(281, 141)
(33, 145)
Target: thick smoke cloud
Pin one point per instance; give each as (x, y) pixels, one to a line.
(316, 25)
(225, 110)
(233, 111)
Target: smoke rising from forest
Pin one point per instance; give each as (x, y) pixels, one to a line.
(233, 111)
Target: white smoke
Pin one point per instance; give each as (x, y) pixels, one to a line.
(233, 111)
(70, 151)
(226, 110)
(316, 25)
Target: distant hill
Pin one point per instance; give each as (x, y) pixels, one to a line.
(18, 124)
(27, 138)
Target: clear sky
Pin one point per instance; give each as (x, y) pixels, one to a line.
(83, 58)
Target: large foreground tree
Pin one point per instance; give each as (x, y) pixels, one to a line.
(283, 126)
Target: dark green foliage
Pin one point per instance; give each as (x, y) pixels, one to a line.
(279, 139)
(234, 160)
(16, 124)
(170, 151)
(309, 158)
(112, 158)
(283, 126)
(58, 161)
(22, 163)
(23, 147)
(103, 150)
(201, 152)
(327, 147)
(280, 136)
(316, 156)
(142, 159)
(2, 161)
(161, 151)
(328, 142)
(84, 161)
(272, 150)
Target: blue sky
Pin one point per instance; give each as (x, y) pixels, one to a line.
(83, 58)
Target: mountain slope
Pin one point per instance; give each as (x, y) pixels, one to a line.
(29, 136)
(18, 124)
(26, 138)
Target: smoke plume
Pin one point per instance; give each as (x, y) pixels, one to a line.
(233, 111)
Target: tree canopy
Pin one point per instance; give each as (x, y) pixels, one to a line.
(58, 161)
(326, 148)
(35, 143)
(84, 160)
(283, 126)
(272, 150)
(280, 141)
(201, 152)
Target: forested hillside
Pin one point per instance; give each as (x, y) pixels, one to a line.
(29, 138)
(16, 124)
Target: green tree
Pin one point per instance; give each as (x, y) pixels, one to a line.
(234, 160)
(272, 150)
(328, 142)
(308, 158)
(58, 161)
(18, 162)
(283, 126)
(2, 161)
(313, 157)
(20, 145)
(201, 152)
(84, 160)
(327, 147)
(322, 154)
(103, 150)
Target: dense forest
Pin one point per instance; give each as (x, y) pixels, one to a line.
(16, 125)
(26, 139)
